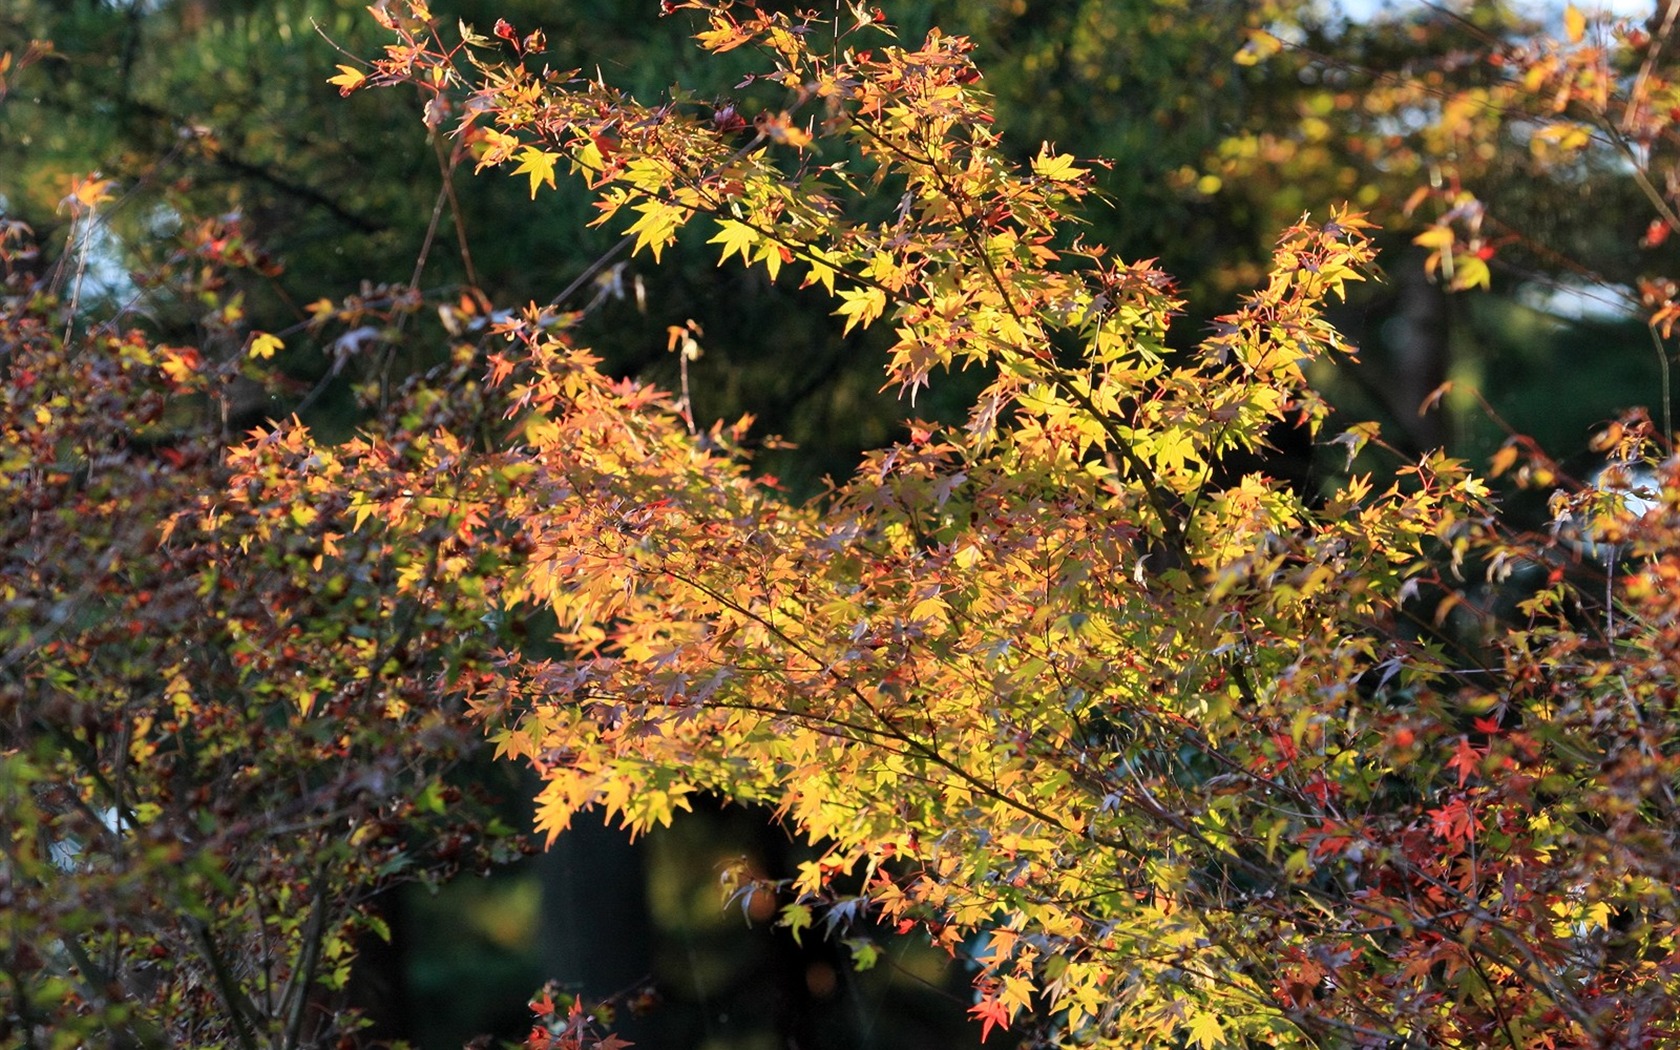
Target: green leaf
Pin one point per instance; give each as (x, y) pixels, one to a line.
(796, 917)
(1469, 271)
(865, 954)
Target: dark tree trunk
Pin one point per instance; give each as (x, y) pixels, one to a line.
(1415, 338)
(596, 935)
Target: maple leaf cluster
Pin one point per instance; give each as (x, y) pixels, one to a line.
(226, 715)
(1169, 751)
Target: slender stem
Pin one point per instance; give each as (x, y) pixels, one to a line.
(1663, 372)
(447, 169)
(1660, 38)
(296, 998)
(239, 1008)
(426, 242)
(1637, 169)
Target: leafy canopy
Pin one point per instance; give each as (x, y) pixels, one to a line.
(228, 716)
(1163, 749)
(1172, 752)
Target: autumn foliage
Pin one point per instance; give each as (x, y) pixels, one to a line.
(225, 719)
(1176, 753)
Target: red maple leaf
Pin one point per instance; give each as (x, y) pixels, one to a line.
(1466, 760)
(1453, 822)
(1490, 726)
(992, 1014)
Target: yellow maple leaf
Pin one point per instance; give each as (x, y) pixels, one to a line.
(180, 364)
(724, 35)
(772, 255)
(735, 237)
(1436, 238)
(1574, 24)
(539, 165)
(1206, 1031)
(498, 146)
(88, 193)
(1056, 167)
(860, 306)
(1469, 271)
(657, 226)
(1017, 992)
(264, 346)
(349, 79)
(1260, 46)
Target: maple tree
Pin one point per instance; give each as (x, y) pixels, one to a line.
(225, 719)
(1487, 126)
(1483, 134)
(1170, 754)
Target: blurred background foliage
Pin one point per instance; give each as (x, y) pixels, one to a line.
(215, 118)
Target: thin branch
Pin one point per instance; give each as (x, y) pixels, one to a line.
(239, 1008)
(296, 998)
